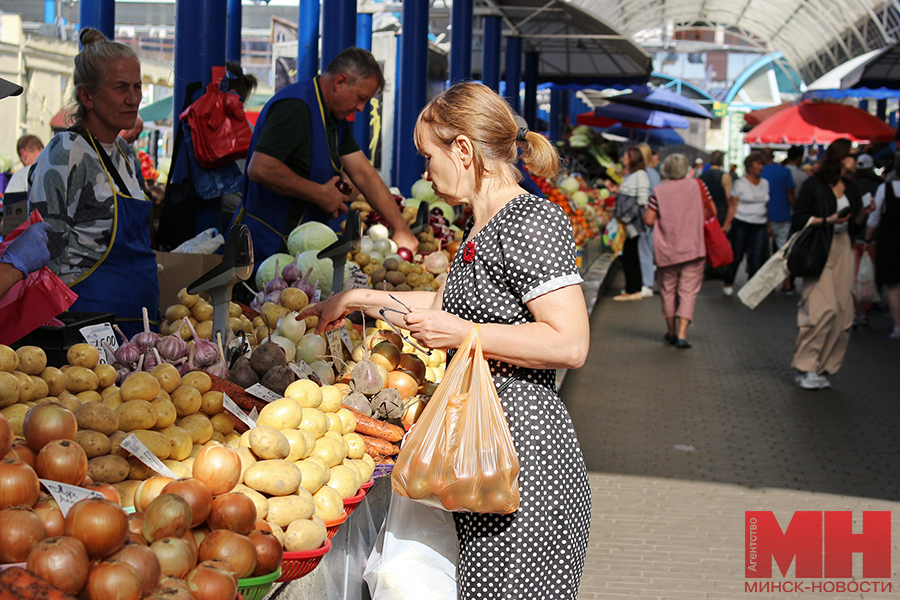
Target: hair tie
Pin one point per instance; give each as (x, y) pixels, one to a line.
(521, 133)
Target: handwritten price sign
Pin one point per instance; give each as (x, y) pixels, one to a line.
(234, 409)
(95, 335)
(143, 454)
(67, 495)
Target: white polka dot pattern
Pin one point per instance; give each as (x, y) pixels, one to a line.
(538, 551)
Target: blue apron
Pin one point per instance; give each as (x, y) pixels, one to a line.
(266, 212)
(125, 278)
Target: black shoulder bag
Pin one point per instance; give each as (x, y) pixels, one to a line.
(809, 253)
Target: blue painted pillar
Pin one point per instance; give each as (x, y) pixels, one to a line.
(339, 33)
(99, 14)
(308, 40)
(529, 109)
(490, 52)
(395, 134)
(235, 22)
(460, 41)
(200, 28)
(361, 130)
(864, 105)
(412, 93)
(513, 71)
(50, 11)
(576, 106)
(557, 102)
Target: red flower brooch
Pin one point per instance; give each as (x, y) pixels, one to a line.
(469, 252)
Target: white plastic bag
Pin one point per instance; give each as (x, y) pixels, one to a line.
(866, 290)
(205, 242)
(416, 554)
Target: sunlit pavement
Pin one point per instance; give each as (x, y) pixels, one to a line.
(679, 443)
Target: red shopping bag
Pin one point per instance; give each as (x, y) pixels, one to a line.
(219, 128)
(33, 301)
(718, 248)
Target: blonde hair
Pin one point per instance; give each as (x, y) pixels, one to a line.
(477, 112)
(90, 66)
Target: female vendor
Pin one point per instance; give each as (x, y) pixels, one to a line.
(86, 187)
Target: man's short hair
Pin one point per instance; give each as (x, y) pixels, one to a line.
(795, 152)
(358, 64)
(768, 155)
(29, 142)
(717, 158)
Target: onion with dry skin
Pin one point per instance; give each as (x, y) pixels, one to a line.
(175, 557)
(219, 468)
(144, 561)
(63, 461)
(51, 516)
(168, 515)
(63, 561)
(6, 436)
(234, 511)
(114, 580)
(20, 529)
(18, 483)
(209, 581)
(21, 451)
(47, 422)
(108, 491)
(230, 546)
(148, 490)
(196, 494)
(269, 552)
(101, 525)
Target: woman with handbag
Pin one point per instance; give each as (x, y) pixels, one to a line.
(883, 230)
(676, 211)
(631, 201)
(515, 275)
(823, 256)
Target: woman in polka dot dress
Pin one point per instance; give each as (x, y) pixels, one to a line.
(515, 274)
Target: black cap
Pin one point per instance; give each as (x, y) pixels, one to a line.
(8, 88)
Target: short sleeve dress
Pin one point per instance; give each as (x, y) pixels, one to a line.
(526, 250)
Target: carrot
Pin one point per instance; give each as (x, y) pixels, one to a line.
(366, 425)
(19, 584)
(378, 446)
(236, 393)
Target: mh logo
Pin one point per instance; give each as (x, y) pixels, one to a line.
(822, 543)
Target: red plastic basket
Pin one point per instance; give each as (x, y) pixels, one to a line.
(350, 504)
(333, 526)
(365, 487)
(295, 565)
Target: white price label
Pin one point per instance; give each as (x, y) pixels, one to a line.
(345, 337)
(95, 335)
(263, 393)
(66, 495)
(318, 295)
(234, 409)
(254, 415)
(304, 371)
(357, 278)
(334, 345)
(143, 454)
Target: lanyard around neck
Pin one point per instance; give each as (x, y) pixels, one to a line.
(339, 166)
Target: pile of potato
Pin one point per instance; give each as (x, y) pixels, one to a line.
(400, 275)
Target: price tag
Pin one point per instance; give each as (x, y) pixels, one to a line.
(304, 371)
(254, 415)
(143, 454)
(66, 495)
(334, 345)
(263, 393)
(318, 295)
(234, 409)
(95, 335)
(345, 337)
(357, 278)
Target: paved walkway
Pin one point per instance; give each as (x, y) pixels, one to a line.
(680, 443)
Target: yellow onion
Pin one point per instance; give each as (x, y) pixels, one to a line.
(219, 468)
(168, 515)
(114, 580)
(20, 529)
(63, 561)
(101, 525)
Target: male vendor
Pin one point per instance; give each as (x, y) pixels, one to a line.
(302, 147)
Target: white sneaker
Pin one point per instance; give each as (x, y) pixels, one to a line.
(812, 381)
(727, 290)
(647, 292)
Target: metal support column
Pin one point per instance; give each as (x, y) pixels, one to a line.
(235, 20)
(460, 41)
(881, 109)
(513, 71)
(395, 134)
(412, 94)
(490, 52)
(99, 14)
(361, 128)
(556, 116)
(529, 109)
(340, 33)
(50, 11)
(308, 40)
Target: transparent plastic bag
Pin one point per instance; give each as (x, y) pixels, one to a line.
(460, 455)
(866, 290)
(205, 242)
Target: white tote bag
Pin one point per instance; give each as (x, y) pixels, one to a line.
(416, 554)
(770, 275)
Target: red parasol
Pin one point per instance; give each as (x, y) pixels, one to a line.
(820, 123)
(755, 117)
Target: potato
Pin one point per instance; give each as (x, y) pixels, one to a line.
(355, 444)
(15, 414)
(83, 355)
(181, 441)
(212, 403)
(347, 419)
(26, 386)
(285, 413)
(85, 396)
(106, 374)
(188, 300)
(179, 468)
(223, 423)
(334, 423)
(126, 491)
(110, 390)
(32, 360)
(273, 477)
(297, 441)
(9, 389)
(187, 400)
(115, 444)
(80, 379)
(244, 442)
(345, 480)
(306, 392)
(112, 401)
(140, 386)
(198, 427)
(268, 443)
(329, 504)
(168, 376)
(197, 380)
(314, 421)
(331, 399)
(260, 501)
(304, 535)
(56, 381)
(284, 510)
(326, 470)
(330, 450)
(312, 475)
(157, 443)
(94, 443)
(165, 413)
(9, 360)
(310, 442)
(97, 417)
(138, 470)
(202, 311)
(108, 469)
(136, 414)
(67, 400)
(366, 470)
(232, 440)
(216, 437)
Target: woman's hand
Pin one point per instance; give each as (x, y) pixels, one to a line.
(331, 312)
(436, 329)
(836, 218)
